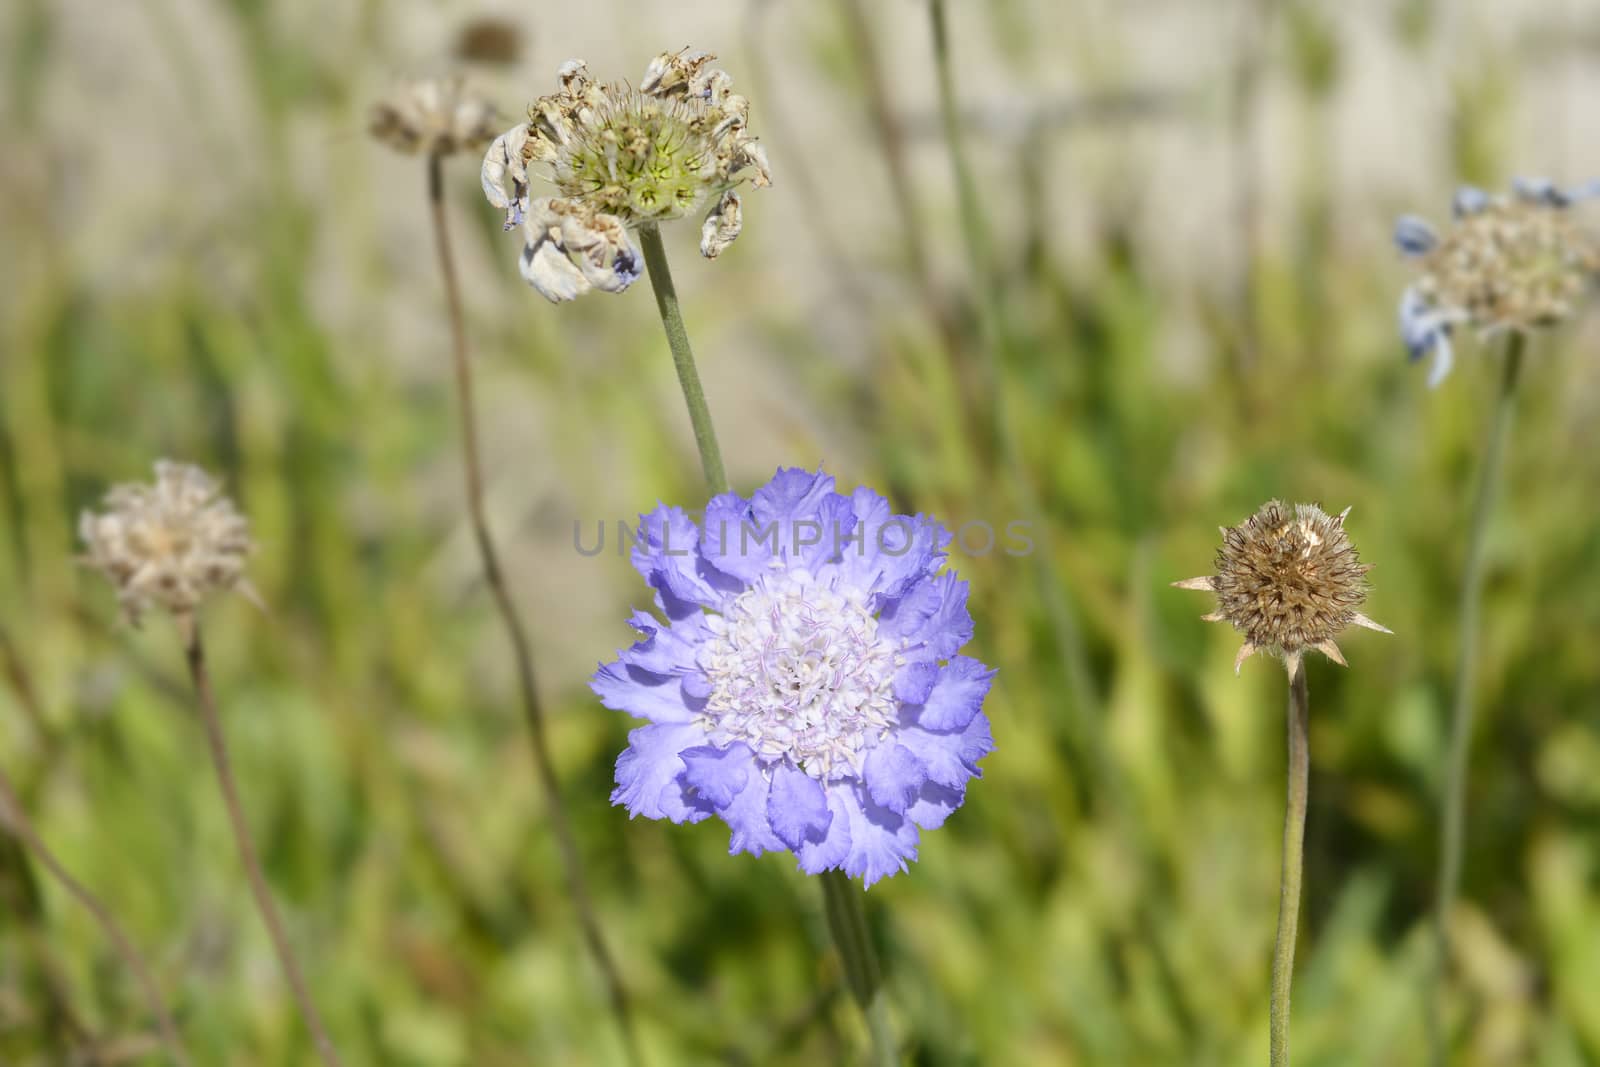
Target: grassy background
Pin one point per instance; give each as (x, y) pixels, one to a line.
(203, 258)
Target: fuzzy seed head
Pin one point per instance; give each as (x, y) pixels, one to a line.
(168, 545)
(434, 117)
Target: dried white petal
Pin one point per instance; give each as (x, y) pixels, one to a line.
(546, 267)
(722, 225)
(673, 70)
(603, 249)
(504, 177)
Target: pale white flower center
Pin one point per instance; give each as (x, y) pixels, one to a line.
(798, 669)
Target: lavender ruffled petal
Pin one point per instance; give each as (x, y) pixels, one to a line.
(931, 618)
(650, 773)
(641, 693)
(951, 757)
(826, 850)
(718, 774)
(957, 695)
(894, 776)
(797, 806)
(881, 842)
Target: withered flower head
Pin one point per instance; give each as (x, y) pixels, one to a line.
(1288, 580)
(440, 116)
(620, 157)
(168, 545)
(1516, 262)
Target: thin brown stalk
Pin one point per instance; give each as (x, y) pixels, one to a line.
(516, 631)
(16, 818)
(195, 654)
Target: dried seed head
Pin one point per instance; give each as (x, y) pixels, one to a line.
(1514, 265)
(1288, 580)
(630, 156)
(435, 117)
(168, 545)
(1506, 263)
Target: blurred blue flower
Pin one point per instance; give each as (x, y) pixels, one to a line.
(1426, 331)
(1506, 263)
(1414, 236)
(1469, 200)
(806, 685)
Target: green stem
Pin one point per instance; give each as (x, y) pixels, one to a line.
(694, 395)
(516, 631)
(847, 922)
(1294, 837)
(1453, 828)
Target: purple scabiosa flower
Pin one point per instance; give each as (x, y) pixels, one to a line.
(806, 685)
(1506, 263)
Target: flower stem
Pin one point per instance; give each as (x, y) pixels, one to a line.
(516, 631)
(847, 921)
(1294, 836)
(195, 654)
(13, 815)
(842, 904)
(705, 434)
(1453, 826)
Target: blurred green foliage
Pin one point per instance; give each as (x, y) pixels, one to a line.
(1087, 906)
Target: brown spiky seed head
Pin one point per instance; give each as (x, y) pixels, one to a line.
(1289, 579)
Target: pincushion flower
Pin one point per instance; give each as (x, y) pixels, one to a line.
(1506, 263)
(169, 545)
(436, 116)
(621, 157)
(806, 684)
(1289, 581)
